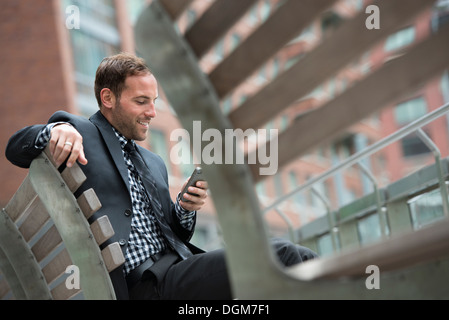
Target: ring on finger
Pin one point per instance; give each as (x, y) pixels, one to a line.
(67, 143)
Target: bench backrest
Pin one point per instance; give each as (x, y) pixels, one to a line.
(45, 238)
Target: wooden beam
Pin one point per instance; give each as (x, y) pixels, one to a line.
(350, 41)
(34, 221)
(74, 177)
(175, 7)
(23, 198)
(113, 256)
(214, 23)
(102, 229)
(394, 80)
(89, 202)
(46, 244)
(56, 267)
(286, 23)
(399, 252)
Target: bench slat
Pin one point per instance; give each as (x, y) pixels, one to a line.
(74, 177)
(113, 256)
(35, 221)
(60, 292)
(102, 229)
(57, 266)
(21, 200)
(89, 203)
(46, 244)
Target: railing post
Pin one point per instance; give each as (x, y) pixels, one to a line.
(329, 218)
(437, 154)
(380, 211)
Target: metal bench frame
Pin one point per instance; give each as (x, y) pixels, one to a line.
(254, 271)
(44, 229)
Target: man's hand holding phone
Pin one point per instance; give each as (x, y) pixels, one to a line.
(194, 191)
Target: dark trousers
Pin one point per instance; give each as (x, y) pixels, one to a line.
(204, 276)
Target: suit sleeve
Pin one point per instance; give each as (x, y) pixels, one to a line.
(21, 148)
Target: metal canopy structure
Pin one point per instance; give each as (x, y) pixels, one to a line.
(174, 58)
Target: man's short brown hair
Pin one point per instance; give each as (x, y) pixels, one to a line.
(113, 71)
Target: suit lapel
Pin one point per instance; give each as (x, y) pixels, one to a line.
(113, 144)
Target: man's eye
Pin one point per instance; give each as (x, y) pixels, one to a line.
(140, 102)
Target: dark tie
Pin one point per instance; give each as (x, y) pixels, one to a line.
(152, 192)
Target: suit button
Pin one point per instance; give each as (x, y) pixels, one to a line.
(122, 242)
(128, 212)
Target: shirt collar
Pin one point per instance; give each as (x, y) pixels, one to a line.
(121, 138)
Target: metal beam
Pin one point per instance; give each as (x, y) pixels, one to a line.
(396, 79)
(175, 7)
(214, 23)
(350, 41)
(280, 28)
(193, 98)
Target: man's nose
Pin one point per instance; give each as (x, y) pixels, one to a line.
(151, 110)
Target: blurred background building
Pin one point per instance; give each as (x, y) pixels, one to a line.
(48, 62)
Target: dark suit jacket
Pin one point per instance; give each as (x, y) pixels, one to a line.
(107, 174)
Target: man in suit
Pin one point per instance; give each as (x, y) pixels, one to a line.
(132, 185)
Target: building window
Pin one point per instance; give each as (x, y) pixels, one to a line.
(369, 228)
(261, 189)
(293, 182)
(158, 145)
(135, 7)
(102, 11)
(275, 67)
(252, 16)
(324, 244)
(400, 39)
(88, 51)
(278, 185)
(97, 38)
(226, 106)
(426, 208)
(412, 146)
(266, 8)
(235, 41)
(410, 110)
(219, 51)
(445, 86)
(330, 21)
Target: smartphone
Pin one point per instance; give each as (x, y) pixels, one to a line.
(197, 175)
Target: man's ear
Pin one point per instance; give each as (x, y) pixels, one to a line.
(107, 98)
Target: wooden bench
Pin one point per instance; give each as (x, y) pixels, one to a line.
(44, 233)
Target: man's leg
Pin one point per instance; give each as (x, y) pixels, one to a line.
(290, 253)
(204, 276)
